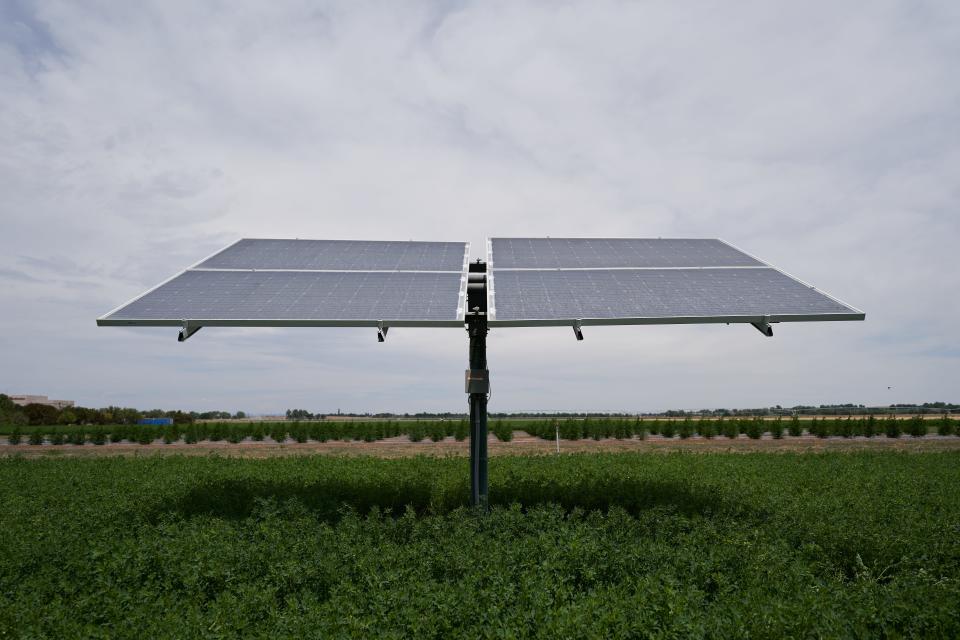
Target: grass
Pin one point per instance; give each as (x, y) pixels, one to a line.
(863, 544)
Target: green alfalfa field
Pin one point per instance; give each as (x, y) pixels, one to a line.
(662, 545)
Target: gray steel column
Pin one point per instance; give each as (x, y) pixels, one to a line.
(477, 329)
(477, 383)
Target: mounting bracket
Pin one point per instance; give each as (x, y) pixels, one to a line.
(764, 326)
(381, 332)
(576, 330)
(188, 330)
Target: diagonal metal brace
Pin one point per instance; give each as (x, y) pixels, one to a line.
(764, 326)
(188, 330)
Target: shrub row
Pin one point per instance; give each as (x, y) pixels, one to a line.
(732, 428)
(237, 432)
(417, 431)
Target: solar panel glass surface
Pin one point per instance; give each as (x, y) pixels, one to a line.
(339, 255)
(625, 281)
(606, 253)
(282, 282)
(291, 295)
(654, 293)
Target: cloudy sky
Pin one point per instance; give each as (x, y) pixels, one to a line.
(137, 138)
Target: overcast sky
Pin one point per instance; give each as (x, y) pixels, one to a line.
(137, 138)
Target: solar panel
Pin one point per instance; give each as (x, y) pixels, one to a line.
(600, 253)
(340, 255)
(645, 281)
(310, 283)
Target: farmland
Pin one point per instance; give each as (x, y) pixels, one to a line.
(840, 544)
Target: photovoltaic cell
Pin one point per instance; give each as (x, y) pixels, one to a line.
(627, 281)
(262, 296)
(339, 255)
(607, 253)
(654, 293)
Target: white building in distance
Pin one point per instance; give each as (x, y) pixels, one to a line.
(24, 400)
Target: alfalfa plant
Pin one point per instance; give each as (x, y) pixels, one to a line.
(892, 427)
(503, 431)
(118, 433)
(731, 429)
(946, 426)
(235, 433)
(415, 432)
(917, 427)
(794, 428)
(639, 429)
(819, 428)
(776, 428)
(705, 428)
(170, 434)
(668, 429)
(299, 433)
(278, 432)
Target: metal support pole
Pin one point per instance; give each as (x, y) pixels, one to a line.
(477, 383)
(478, 386)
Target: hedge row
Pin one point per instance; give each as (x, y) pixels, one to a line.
(588, 428)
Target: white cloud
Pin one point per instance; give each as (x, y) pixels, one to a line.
(138, 138)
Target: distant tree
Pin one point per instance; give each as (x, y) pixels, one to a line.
(129, 416)
(7, 405)
(240, 415)
(40, 414)
(67, 417)
(11, 412)
(179, 417)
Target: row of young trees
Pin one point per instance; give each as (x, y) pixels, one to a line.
(868, 426)
(371, 431)
(237, 432)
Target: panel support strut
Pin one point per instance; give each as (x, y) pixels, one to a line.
(478, 387)
(764, 326)
(188, 330)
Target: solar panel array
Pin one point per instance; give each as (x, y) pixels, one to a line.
(311, 283)
(548, 281)
(531, 281)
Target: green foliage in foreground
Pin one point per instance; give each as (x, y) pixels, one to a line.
(834, 545)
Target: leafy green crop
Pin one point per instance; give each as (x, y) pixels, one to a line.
(679, 545)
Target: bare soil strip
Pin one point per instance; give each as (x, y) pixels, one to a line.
(522, 444)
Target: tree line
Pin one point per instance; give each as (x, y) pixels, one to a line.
(43, 414)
